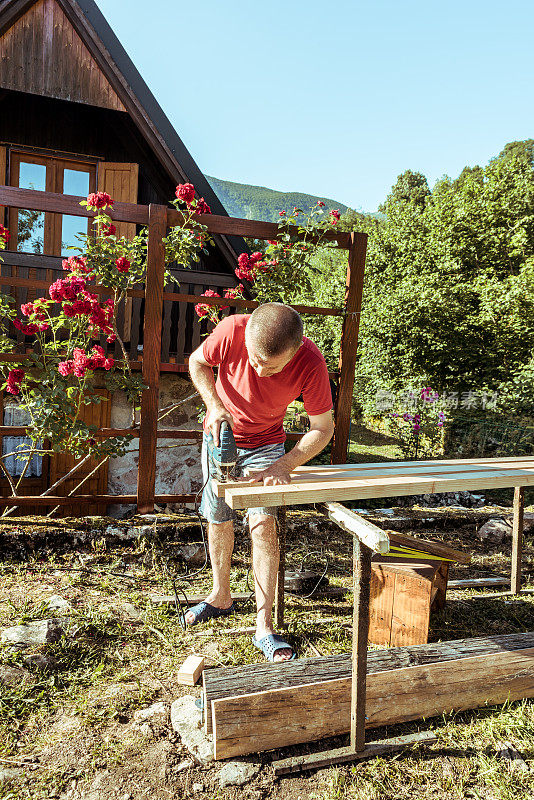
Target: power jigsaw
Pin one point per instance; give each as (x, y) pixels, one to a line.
(224, 457)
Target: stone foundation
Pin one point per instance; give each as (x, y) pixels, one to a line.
(178, 469)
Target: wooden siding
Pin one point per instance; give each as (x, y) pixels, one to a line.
(42, 54)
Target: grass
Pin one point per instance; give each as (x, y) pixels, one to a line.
(77, 717)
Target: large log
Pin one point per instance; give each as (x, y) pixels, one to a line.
(292, 715)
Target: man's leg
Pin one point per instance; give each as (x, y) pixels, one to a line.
(221, 546)
(265, 558)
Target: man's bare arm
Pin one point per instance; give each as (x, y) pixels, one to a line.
(311, 444)
(203, 380)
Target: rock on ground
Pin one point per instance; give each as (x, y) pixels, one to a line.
(157, 712)
(236, 773)
(186, 720)
(495, 530)
(33, 633)
(15, 676)
(59, 604)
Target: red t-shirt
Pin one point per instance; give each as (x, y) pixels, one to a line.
(258, 405)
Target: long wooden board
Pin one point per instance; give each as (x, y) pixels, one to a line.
(222, 682)
(342, 472)
(253, 495)
(271, 719)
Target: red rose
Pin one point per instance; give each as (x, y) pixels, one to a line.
(335, 216)
(122, 264)
(99, 200)
(109, 230)
(320, 203)
(244, 260)
(202, 207)
(4, 233)
(185, 192)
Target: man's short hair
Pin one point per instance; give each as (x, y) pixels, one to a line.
(274, 328)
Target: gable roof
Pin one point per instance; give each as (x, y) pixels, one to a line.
(135, 96)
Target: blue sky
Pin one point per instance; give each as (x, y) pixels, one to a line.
(335, 99)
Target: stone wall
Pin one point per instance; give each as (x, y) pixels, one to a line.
(178, 469)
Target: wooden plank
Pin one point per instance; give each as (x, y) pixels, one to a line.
(517, 538)
(253, 495)
(271, 719)
(129, 212)
(349, 346)
(346, 755)
(411, 610)
(476, 583)
(279, 597)
(109, 499)
(370, 535)
(192, 599)
(382, 593)
(432, 548)
(146, 476)
(237, 681)
(234, 226)
(350, 472)
(34, 200)
(190, 671)
(361, 571)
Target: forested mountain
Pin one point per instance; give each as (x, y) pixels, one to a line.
(258, 202)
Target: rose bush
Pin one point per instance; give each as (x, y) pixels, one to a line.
(68, 367)
(285, 265)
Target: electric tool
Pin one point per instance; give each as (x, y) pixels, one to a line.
(224, 457)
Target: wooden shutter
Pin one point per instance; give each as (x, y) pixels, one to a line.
(120, 181)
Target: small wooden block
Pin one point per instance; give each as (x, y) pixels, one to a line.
(190, 670)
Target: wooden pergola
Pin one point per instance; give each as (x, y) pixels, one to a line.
(158, 219)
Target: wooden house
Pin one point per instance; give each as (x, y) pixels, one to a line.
(75, 117)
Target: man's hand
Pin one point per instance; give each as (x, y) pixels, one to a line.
(214, 417)
(277, 474)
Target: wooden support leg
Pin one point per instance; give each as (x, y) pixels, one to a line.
(279, 600)
(517, 538)
(360, 621)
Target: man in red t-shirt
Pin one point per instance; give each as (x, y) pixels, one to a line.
(264, 363)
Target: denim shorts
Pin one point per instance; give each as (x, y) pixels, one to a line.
(213, 508)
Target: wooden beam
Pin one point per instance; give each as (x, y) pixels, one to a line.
(349, 472)
(349, 345)
(361, 570)
(279, 598)
(100, 499)
(33, 200)
(432, 548)
(234, 226)
(251, 495)
(477, 583)
(371, 535)
(146, 475)
(236, 681)
(190, 671)
(346, 755)
(517, 538)
(272, 719)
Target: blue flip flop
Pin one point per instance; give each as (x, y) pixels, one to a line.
(270, 644)
(204, 611)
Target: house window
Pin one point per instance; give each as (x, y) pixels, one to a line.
(45, 232)
(13, 415)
